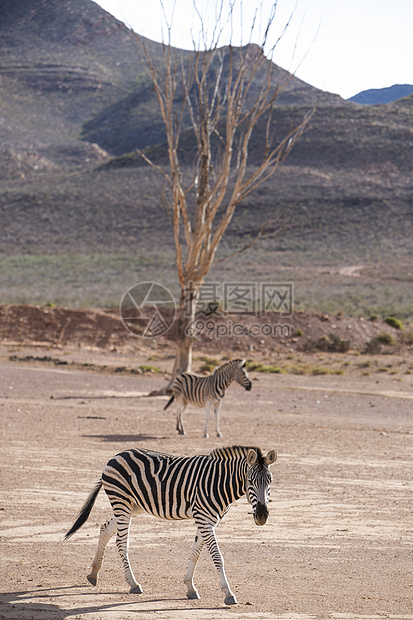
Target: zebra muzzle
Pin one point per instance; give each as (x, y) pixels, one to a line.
(261, 514)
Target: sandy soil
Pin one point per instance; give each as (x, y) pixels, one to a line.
(338, 543)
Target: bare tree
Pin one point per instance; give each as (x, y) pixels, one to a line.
(224, 94)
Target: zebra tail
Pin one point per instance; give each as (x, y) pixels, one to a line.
(169, 402)
(86, 510)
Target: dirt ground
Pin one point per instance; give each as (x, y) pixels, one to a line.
(338, 543)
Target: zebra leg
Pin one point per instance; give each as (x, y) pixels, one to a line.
(208, 534)
(207, 409)
(189, 575)
(216, 411)
(106, 532)
(122, 541)
(179, 420)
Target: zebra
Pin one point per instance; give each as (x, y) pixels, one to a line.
(202, 391)
(201, 487)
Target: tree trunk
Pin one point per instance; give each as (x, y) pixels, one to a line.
(183, 358)
(186, 322)
(185, 334)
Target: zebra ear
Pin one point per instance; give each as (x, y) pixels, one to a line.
(251, 458)
(271, 457)
(242, 364)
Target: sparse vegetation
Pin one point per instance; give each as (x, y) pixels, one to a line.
(258, 367)
(373, 347)
(319, 370)
(376, 345)
(148, 368)
(396, 323)
(387, 339)
(207, 368)
(408, 336)
(331, 343)
(209, 363)
(293, 369)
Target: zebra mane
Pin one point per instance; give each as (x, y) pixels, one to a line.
(229, 453)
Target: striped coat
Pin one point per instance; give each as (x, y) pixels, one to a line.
(201, 487)
(191, 389)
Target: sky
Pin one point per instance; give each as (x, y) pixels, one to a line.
(339, 46)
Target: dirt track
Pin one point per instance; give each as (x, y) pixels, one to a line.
(338, 542)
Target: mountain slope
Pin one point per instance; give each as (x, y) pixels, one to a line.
(67, 67)
(135, 122)
(378, 96)
(61, 62)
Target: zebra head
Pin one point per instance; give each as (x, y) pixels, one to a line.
(259, 479)
(241, 376)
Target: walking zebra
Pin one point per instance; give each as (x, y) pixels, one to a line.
(201, 487)
(200, 391)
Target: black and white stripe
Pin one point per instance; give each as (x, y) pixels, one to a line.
(191, 389)
(201, 487)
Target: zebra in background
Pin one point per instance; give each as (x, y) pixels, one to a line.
(201, 487)
(199, 391)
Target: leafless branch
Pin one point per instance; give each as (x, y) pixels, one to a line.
(261, 234)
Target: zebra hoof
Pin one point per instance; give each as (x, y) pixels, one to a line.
(230, 600)
(136, 589)
(92, 579)
(193, 595)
